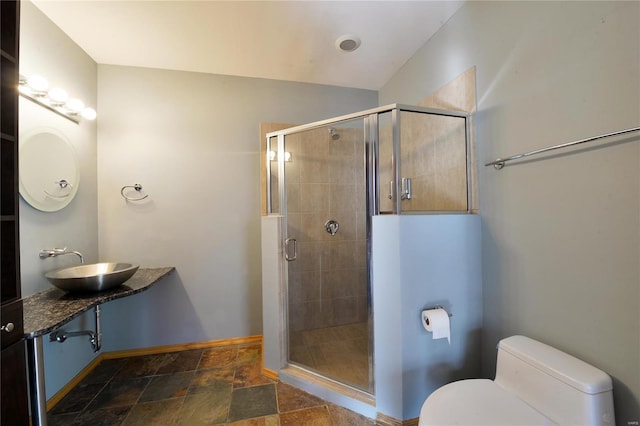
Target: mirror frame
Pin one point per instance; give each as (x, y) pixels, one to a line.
(49, 170)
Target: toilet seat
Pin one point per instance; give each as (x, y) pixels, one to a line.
(477, 402)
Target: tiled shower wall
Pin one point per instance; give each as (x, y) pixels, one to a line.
(433, 154)
(326, 180)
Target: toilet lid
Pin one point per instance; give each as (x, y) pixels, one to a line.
(477, 402)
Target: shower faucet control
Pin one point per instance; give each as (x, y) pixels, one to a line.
(332, 226)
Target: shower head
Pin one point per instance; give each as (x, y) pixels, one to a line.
(334, 134)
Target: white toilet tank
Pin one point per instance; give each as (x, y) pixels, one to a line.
(562, 387)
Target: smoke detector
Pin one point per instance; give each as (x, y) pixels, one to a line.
(347, 43)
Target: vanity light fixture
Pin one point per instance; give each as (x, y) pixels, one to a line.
(74, 105)
(58, 96)
(89, 113)
(273, 156)
(56, 99)
(38, 85)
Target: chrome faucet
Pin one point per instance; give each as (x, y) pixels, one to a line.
(45, 253)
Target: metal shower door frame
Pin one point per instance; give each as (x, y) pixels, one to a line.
(372, 168)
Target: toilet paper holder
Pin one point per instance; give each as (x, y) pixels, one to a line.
(439, 307)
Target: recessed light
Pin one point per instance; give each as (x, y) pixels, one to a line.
(347, 43)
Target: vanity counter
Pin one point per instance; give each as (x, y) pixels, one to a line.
(46, 311)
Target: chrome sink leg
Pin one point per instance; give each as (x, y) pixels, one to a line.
(37, 393)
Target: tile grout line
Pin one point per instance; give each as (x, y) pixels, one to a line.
(137, 399)
(184, 398)
(104, 386)
(233, 379)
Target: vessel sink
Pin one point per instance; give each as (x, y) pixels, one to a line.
(91, 278)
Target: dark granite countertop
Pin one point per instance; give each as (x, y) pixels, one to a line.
(46, 311)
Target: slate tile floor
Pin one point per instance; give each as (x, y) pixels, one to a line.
(219, 386)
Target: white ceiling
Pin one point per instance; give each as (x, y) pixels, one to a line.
(282, 40)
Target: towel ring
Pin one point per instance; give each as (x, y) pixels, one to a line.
(137, 187)
(63, 183)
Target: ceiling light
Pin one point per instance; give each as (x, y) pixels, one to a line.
(347, 43)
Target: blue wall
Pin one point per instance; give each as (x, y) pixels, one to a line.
(560, 236)
(420, 261)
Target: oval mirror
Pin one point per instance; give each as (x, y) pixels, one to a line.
(49, 170)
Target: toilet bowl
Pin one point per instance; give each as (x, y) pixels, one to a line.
(535, 384)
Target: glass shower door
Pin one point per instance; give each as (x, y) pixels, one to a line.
(327, 267)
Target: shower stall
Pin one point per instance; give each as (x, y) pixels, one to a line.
(326, 181)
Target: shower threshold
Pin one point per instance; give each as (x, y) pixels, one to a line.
(331, 390)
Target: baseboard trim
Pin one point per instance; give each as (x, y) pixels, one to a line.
(55, 399)
(384, 420)
(270, 374)
(183, 347)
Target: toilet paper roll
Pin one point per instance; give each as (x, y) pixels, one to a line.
(436, 321)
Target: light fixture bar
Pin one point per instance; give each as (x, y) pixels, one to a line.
(47, 106)
(54, 102)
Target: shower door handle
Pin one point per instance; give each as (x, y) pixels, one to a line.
(286, 249)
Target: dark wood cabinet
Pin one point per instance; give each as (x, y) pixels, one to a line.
(13, 378)
(15, 409)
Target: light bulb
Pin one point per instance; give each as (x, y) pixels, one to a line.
(38, 84)
(272, 155)
(75, 105)
(89, 113)
(58, 96)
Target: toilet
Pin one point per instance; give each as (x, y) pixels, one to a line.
(535, 384)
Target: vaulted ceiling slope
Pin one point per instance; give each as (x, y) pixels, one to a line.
(282, 40)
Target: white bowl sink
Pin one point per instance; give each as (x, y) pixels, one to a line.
(93, 277)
